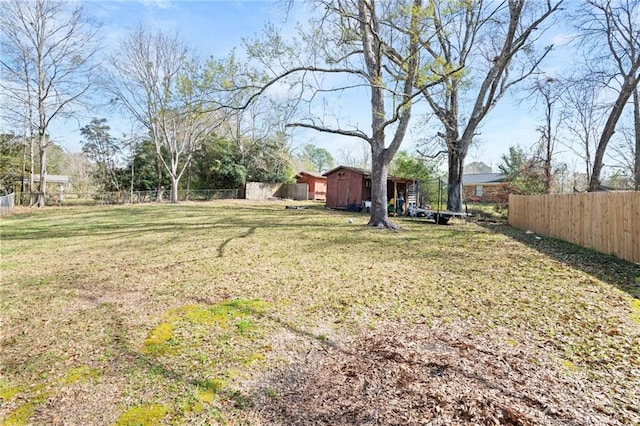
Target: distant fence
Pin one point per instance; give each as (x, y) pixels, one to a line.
(252, 191)
(261, 190)
(608, 222)
(6, 204)
(264, 191)
(138, 197)
(294, 191)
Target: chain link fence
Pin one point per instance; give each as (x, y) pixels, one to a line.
(131, 197)
(6, 204)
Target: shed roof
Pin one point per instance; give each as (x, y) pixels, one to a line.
(358, 170)
(366, 173)
(480, 178)
(314, 174)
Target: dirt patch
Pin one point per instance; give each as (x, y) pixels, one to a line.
(443, 375)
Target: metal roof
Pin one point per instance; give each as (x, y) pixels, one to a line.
(51, 178)
(480, 178)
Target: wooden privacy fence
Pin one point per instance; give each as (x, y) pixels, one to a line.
(608, 222)
(264, 191)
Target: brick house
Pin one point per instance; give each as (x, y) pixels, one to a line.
(485, 188)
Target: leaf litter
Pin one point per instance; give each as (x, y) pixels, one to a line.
(447, 374)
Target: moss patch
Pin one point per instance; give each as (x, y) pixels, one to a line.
(144, 415)
(569, 365)
(21, 415)
(159, 340)
(218, 340)
(81, 374)
(635, 310)
(7, 390)
(212, 386)
(227, 315)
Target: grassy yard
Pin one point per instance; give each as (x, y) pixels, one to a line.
(249, 313)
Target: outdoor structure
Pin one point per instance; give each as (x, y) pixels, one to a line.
(484, 187)
(349, 188)
(317, 184)
(60, 180)
(56, 186)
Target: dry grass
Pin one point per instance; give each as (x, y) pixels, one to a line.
(237, 312)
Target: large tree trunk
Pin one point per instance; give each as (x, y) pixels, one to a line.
(42, 187)
(371, 51)
(32, 165)
(159, 167)
(454, 187)
(175, 178)
(174, 190)
(379, 202)
(548, 140)
(627, 89)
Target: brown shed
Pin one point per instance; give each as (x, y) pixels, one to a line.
(350, 187)
(316, 183)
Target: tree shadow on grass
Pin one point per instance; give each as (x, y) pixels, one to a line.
(610, 269)
(115, 229)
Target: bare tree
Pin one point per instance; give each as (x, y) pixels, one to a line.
(47, 59)
(356, 155)
(368, 49)
(80, 170)
(157, 80)
(255, 127)
(625, 151)
(584, 117)
(491, 44)
(548, 92)
(611, 37)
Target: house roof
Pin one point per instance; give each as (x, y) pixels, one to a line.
(366, 173)
(313, 174)
(480, 178)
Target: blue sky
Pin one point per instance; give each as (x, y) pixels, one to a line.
(215, 27)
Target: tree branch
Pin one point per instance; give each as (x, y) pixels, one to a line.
(351, 133)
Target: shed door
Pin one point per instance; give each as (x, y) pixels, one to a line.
(343, 193)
